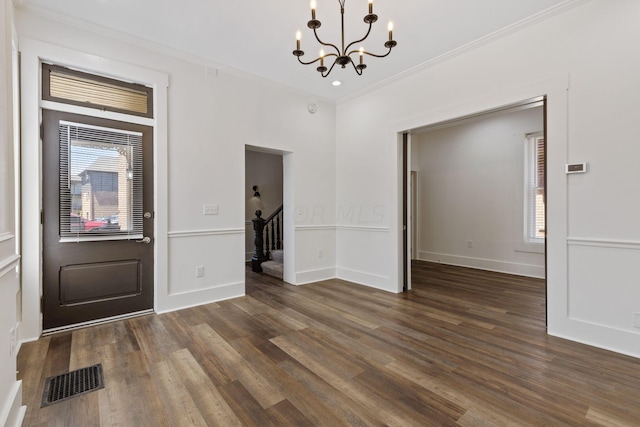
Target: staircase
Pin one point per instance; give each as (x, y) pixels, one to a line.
(274, 267)
(268, 256)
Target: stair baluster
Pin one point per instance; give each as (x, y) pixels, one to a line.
(266, 235)
(273, 237)
(278, 242)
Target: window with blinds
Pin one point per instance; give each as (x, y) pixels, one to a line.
(535, 198)
(61, 84)
(100, 183)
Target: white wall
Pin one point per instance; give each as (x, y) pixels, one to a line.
(471, 180)
(212, 115)
(11, 412)
(265, 171)
(583, 60)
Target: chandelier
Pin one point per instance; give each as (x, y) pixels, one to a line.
(342, 56)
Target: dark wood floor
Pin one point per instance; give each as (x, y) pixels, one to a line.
(463, 348)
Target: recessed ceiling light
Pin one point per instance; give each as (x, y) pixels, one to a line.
(336, 83)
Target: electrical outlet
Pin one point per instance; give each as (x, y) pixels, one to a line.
(470, 244)
(210, 210)
(319, 253)
(200, 271)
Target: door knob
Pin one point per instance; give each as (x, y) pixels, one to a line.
(145, 240)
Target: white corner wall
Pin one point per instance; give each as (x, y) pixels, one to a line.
(11, 409)
(471, 188)
(212, 114)
(583, 60)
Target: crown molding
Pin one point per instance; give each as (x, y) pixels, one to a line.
(211, 66)
(482, 41)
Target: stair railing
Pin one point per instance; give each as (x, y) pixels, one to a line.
(268, 235)
(273, 224)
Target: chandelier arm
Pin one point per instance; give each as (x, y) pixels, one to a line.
(317, 59)
(329, 71)
(361, 40)
(315, 33)
(370, 54)
(359, 72)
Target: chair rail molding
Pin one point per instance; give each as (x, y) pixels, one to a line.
(203, 233)
(603, 243)
(8, 264)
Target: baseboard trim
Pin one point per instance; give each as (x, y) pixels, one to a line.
(598, 335)
(528, 270)
(311, 276)
(14, 412)
(367, 279)
(182, 300)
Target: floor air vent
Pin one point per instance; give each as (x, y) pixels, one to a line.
(72, 384)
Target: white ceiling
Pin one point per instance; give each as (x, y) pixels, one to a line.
(259, 36)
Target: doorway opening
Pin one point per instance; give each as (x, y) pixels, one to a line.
(475, 192)
(265, 215)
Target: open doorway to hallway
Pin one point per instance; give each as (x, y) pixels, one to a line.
(476, 192)
(264, 216)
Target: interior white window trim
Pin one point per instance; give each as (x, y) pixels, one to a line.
(530, 156)
(33, 53)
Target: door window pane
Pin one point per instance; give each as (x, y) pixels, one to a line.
(100, 183)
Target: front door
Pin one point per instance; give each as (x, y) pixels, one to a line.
(97, 219)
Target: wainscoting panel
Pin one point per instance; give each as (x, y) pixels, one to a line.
(219, 251)
(315, 253)
(11, 410)
(601, 271)
(359, 248)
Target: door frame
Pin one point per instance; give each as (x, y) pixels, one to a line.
(33, 52)
(405, 198)
(413, 213)
(288, 202)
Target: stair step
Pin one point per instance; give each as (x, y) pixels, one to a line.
(277, 256)
(273, 268)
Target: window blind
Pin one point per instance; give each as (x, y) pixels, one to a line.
(100, 183)
(535, 197)
(61, 84)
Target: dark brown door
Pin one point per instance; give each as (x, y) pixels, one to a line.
(97, 219)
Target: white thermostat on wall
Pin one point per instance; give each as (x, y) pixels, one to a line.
(576, 168)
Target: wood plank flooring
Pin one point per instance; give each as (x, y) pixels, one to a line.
(463, 348)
